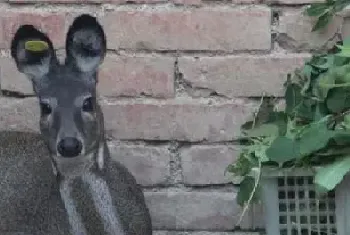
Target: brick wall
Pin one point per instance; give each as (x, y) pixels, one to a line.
(180, 77)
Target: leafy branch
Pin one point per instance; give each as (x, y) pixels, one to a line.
(325, 12)
(313, 130)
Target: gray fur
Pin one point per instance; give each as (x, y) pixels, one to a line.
(90, 189)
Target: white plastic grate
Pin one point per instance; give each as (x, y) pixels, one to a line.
(300, 211)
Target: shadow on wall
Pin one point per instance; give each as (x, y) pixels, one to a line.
(25, 183)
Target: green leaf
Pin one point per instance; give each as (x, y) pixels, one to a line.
(307, 72)
(293, 98)
(339, 5)
(315, 137)
(341, 75)
(321, 62)
(317, 9)
(338, 100)
(347, 121)
(282, 149)
(338, 150)
(268, 129)
(279, 119)
(344, 52)
(339, 60)
(320, 111)
(332, 174)
(346, 42)
(342, 137)
(305, 110)
(245, 189)
(241, 167)
(292, 129)
(335, 100)
(323, 85)
(322, 21)
(261, 153)
(260, 148)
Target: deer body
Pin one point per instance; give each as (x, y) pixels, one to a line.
(97, 195)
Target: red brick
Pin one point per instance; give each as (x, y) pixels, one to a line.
(149, 164)
(134, 1)
(209, 211)
(206, 164)
(132, 76)
(295, 33)
(19, 114)
(215, 28)
(119, 76)
(51, 23)
(247, 1)
(179, 120)
(187, 2)
(55, 1)
(240, 76)
(11, 79)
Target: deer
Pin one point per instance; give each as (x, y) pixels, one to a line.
(99, 195)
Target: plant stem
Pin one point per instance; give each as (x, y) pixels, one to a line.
(246, 207)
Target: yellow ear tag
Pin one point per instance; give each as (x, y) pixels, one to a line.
(36, 45)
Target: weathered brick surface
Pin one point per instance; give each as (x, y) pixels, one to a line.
(199, 29)
(55, 1)
(187, 2)
(19, 114)
(244, 75)
(11, 79)
(132, 76)
(247, 1)
(54, 24)
(193, 210)
(149, 165)
(118, 76)
(134, 1)
(206, 164)
(295, 31)
(177, 120)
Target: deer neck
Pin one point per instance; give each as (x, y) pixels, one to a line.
(90, 187)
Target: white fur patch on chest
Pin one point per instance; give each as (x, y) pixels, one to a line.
(100, 158)
(75, 221)
(103, 202)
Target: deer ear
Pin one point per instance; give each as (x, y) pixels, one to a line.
(33, 52)
(86, 44)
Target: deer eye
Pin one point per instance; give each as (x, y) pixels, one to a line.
(88, 105)
(45, 108)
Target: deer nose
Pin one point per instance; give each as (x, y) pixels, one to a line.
(69, 147)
